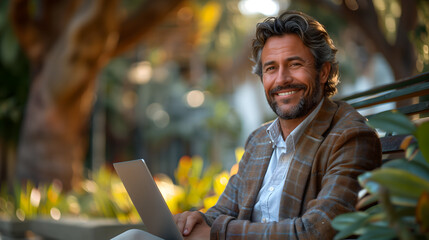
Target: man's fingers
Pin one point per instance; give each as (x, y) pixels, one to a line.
(186, 221)
(180, 220)
(190, 222)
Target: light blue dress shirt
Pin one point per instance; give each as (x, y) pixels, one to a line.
(268, 200)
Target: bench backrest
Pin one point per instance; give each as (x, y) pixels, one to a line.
(414, 91)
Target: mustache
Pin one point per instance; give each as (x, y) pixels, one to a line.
(286, 87)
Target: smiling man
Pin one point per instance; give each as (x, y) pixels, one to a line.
(292, 84)
(300, 170)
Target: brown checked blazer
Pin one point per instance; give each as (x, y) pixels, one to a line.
(335, 148)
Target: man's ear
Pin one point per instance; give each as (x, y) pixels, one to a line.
(324, 72)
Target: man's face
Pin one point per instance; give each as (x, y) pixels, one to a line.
(292, 85)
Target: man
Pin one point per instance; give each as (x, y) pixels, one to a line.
(299, 171)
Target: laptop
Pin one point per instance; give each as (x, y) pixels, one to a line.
(147, 199)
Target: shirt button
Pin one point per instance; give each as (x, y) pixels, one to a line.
(271, 189)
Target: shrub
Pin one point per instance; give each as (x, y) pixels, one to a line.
(395, 197)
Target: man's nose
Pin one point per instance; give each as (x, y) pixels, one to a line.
(284, 76)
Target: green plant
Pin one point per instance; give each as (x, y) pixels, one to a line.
(396, 203)
(26, 201)
(196, 189)
(101, 196)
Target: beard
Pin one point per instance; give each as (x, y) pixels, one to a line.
(305, 105)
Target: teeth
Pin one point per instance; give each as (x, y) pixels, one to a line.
(286, 93)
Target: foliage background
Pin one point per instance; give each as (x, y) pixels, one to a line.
(394, 202)
(202, 46)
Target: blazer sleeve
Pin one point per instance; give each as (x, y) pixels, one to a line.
(347, 154)
(228, 202)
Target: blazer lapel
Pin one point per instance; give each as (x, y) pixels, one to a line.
(260, 158)
(300, 168)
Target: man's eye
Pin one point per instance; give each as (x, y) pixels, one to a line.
(269, 68)
(295, 64)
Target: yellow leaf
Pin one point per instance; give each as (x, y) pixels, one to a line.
(210, 202)
(220, 182)
(196, 167)
(182, 171)
(208, 19)
(239, 152)
(422, 212)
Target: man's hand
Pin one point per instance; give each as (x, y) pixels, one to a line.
(192, 225)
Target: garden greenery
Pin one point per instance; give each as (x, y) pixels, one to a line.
(394, 202)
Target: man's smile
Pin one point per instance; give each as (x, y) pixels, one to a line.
(286, 93)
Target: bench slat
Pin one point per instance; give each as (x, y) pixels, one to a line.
(409, 88)
(424, 77)
(417, 108)
(401, 94)
(391, 144)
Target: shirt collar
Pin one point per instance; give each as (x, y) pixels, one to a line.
(274, 130)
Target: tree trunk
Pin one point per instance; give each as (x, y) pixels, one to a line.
(67, 43)
(54, 133)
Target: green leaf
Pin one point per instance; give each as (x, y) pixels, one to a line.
(366, 201)
(345, 220)
(376, 217)
(400, 182)
(415, 167)
(404, 201)
(349, 223)
(374, 210)
(392, 122)
(375, 232)
(364, 181)
(422, 135)
(364, 177)
(373, 187)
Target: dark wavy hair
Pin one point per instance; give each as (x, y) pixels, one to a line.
(311, 32)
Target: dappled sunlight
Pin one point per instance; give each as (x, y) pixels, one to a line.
(103, 195)
(266, 7)
(169, 81)
(171, 193)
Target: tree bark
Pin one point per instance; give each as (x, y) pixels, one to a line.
(54, 139)
(68, 42)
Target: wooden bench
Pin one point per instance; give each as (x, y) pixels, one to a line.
(413, 90)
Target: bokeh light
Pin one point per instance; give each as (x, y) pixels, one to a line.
(35, 197)
(55, 213)
(20, 214)
(158, 115)
(266, 7)
(195, 98)
(140, 73)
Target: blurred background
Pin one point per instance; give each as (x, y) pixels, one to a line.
(84, 84)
